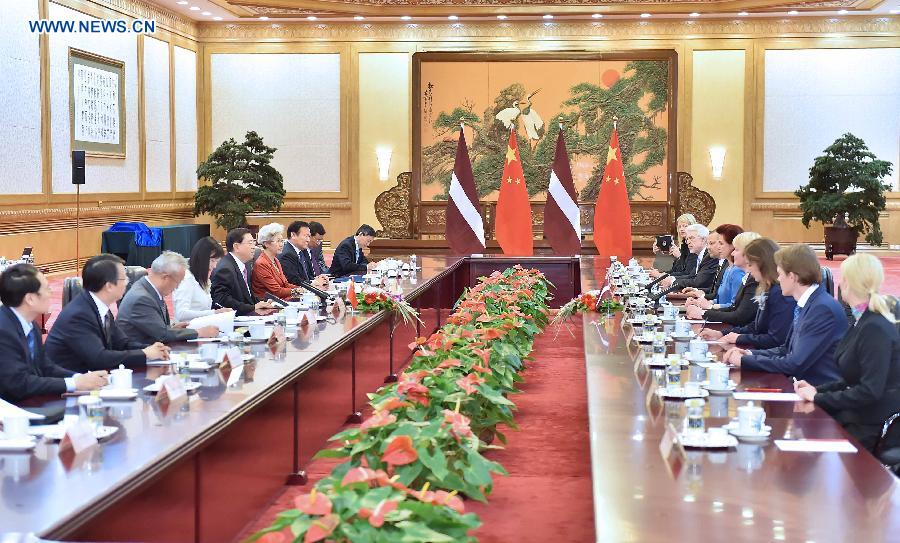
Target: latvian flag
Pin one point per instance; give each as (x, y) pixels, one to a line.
(562, 221)
(465, 229)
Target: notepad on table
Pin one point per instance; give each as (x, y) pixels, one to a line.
(767, 396)
(815, 445)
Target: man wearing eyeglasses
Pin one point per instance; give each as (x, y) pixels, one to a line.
(701, 269)
(85, 337)
(230, 281)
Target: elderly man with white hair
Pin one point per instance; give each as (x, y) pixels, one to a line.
(701, 270)
(143, 315)
(268, 275)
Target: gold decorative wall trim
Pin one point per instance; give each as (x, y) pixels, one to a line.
(795, 206)
(138, 9)
(300, 205)
(594, 31)
(57, 213)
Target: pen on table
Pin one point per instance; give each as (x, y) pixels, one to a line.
(762, 389)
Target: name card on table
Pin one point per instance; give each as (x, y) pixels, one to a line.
(78, 437)
(171, 389)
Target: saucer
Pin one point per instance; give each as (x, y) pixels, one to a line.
(706, 441)
(704, 358)
(727, 390)
(682, 337)
(733, 429)
(199, 366)
(650, 361)
(19, 444)
(56, 433)
(118, 394)
(681, 393)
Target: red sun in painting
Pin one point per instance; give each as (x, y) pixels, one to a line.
(609, 78)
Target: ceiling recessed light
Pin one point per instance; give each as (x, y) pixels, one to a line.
(359, 18)
(206, 13)
(195, 8)
(406, 17)
(743, 14)
(842, 12)
(895, 11)
(263, 18)
(217, 18)
(548, 16)
(501, 17)
(793, 12)
(695, 14)
(452, 17)
(311, 18)
(645, 15)
(181, 2)
(597, 16)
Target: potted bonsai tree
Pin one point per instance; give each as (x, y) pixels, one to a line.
(845, 190)
(241, 181)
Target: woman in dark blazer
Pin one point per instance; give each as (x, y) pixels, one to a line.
(868, 357)
(773, 319)
(744, 307)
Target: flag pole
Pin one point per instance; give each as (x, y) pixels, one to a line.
(615, 122)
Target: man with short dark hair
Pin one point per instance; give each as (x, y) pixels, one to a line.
(85, 336)
(819, 324)
(349, 258)
(296, 260)
(230, 281)
(25, 371)
(316, 237)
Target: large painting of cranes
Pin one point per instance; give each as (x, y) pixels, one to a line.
(536, 95)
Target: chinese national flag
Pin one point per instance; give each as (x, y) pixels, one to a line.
(351, 294)
(512, 225)
(612, 214)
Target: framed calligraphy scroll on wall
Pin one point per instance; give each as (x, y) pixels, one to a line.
(96, 104)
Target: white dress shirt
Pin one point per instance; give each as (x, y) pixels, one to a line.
(805, 296)
(191, 300)
(102, 308)
(26, 327)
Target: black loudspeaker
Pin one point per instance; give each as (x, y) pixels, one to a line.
(78, 167)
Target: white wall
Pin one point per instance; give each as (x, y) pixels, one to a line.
(20, 100)
(293, 102)
(185, 119)
(814, 96)
(102, 174)
(156, 114)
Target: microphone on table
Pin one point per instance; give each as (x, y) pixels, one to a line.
(272, 298)
(317, 291)
(656, 281)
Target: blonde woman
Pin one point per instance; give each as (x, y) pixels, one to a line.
(868, 357)
(744, 305)
(679, 249)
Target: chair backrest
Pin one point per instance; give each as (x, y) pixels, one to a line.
(890, 434)
(71, 288)
(134, 273)
(828, 280)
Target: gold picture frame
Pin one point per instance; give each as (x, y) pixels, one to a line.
(96, 104)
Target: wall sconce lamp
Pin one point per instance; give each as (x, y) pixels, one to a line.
(384, 162)
(717, 161)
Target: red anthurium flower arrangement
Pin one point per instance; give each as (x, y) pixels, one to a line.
(469, 382)
(379, 419)
(314, 503)
(400, 452)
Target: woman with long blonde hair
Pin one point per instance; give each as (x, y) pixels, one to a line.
(868, 357)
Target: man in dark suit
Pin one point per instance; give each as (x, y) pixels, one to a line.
(143, 314)
(230, 281)
(819, 324)
(85, 336)
(702, 269)
(25, 371)
(349, 258)
(316, 236)
(296, 261)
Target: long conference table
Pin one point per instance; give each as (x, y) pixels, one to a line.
(202, 470)
(646, 490)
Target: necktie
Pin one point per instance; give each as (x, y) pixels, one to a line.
(317, 270)
(32, 345)
(107, 327)
(246, 279)
(358, 254)
(796, 314)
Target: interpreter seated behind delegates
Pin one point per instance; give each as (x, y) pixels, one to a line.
(191, 298)
(25, 370)
(818, 324)
(867, 391)
(85, 335)
(679, 250)
(775, 313)
(349, 258)
(704, 272)
(268, 277)
(143, 315)
(729, 277)
(316, 237)
(296, 261)
(230, 280)
(744, 306)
